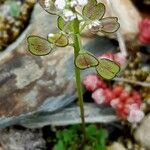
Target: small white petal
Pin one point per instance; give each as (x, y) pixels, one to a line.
(82, 2)
(73, 3)
(95, 23)
(68, 15)
(60, 4)
(95, 26)
(47, 4)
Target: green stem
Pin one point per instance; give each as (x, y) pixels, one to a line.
(77, 48)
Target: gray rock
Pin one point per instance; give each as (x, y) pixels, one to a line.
(15, 139)
(31, 85)
(142, 134)
(71, 115)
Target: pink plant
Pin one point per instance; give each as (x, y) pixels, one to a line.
(117, 57)
(135, 115)
(126, 103)
(92, 82)
(98, 96)
(114, 103)
(108, 55)
(144, 31)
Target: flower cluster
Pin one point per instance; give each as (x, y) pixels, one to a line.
(91, 16)
(65, 7)
(126, 103)
(144, 31)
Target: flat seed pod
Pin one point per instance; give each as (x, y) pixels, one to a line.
(63, 25)
(58, 39)
(86, 60)
(107, 69)
(38, 46)
(94, 10)
(48, 5)
(109, 24)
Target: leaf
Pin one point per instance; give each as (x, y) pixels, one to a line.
(86, 60)
(94, 10)
(63, 25)
(91, 131)
(58, 39)
(68, 135)
(102, 136)
(109, 24)
(38, 45)
(59, 146)
(48, 6)
(107, 69)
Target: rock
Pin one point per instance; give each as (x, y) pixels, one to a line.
(142, 133)
(71, 115)
(17, 139)
(29, 84)
(35, 87)
(117, 146)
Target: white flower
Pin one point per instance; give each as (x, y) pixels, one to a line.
(135, 115)
(73, 3)
(68, 15)
(82, 2)
(60, 4)
(98, 96)
(95, 25)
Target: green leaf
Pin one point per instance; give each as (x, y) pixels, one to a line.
(94, 10)
(58, 39)
(107, 69)
(109, 24)
(68, 135)
(102, 136)
(91, 131)
(59, 146)
(63, 25)
(38, 45)
(50, 7)
(86, 60)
